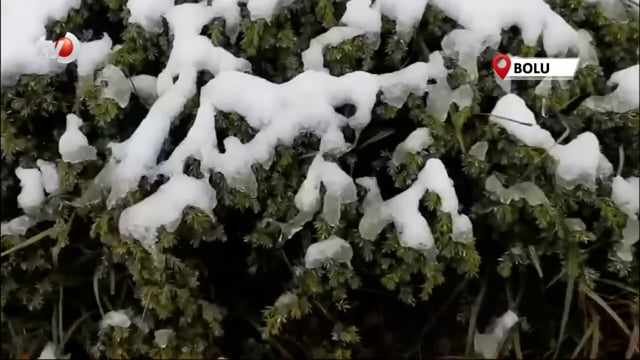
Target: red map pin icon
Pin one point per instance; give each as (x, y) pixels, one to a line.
(506, 64)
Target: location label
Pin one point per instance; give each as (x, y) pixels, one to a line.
(501, 65)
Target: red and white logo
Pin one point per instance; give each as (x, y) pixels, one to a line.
(65, 50)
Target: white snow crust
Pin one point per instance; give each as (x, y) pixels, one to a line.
(625, 193)
(579, 162)
(402, 210)
(625, 97)
(116, 318)
(488, 344)
(93, 55)
(17, 226)
(116, 86)
(527, 190)
(165, 207)
(312, 58)
(31, 196)
(418, 140)
(73, 145)
(148, 13)
(50, 177)
(324, 251)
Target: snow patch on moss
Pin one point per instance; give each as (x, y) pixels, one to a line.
(418, 140)
(31, 196)
(306, 103)
(165, 207)
(313, 59)
(323, 252)
(527, 190)
(190, 50)
(73, 145)
(116, 86)
(402, 210)
(625, 193)
(488, 344)
(579, 162)
(626, 96)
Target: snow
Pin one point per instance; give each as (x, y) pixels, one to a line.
(484, 20)
(164, 208)
(479, 150)
(148, 13)
(625, 193)
(441, 95)
(116, 318)
(18, 225)
(49, 352)
(312, 58)
(230, 11)
(163, 336)
(93, 55)
(339, 187)
(266, 9)
(402, 210)
(612, 8)
(137, 156)
(22, 25)
(50, 177)
(363, 15)
(281, 112)
(466, 45)
(418, 140)
(511, 106)
(579, 162)
(323, 252)
(286, 301)
(115, 85)
(488, 344)
(406, 14)
(201, 136)
(487, 18)
(527, 190)
(626, 97)
(31, 196)
(73, 145)
(360, 14)
(192, 51)
(397, 86)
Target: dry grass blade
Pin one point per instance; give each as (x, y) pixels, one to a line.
(473, 319)
(32, 240)
(618, 284)
(568, 298)
(595, 297)
(584, 339)
(633, 342)
(595, 340)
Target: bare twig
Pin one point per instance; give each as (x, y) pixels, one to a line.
(473, 319)
(505, 118)
(595, 297)
(620, 160)
(32, 240)
(435, 317)
(633, 342)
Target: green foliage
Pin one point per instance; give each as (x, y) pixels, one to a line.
(233, 286)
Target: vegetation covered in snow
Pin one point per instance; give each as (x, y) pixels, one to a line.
(319, 179)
